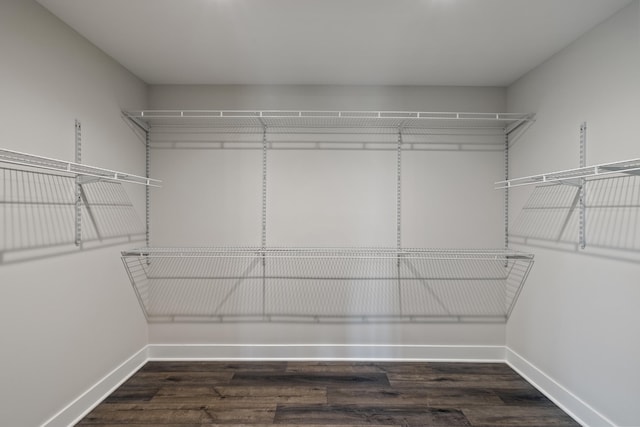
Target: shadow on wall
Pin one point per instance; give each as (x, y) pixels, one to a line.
(550, 218)
(38, 215)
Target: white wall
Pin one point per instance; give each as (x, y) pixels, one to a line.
(66, 320)
(577, 318)
(327, 198)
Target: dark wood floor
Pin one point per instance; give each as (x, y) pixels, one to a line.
(185, 394)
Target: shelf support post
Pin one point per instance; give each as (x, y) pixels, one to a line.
(78, 194)
(399, 192)
(399, 212)
(506, 190)
(264, 217)
(147, 195)
(582, 190)
(264, 189)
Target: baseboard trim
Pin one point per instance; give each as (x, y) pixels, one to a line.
(577, 408)
(83, 404)
(449, 353)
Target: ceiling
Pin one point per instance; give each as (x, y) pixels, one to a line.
(362, 42)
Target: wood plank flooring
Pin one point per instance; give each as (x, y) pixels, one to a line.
(208, 394)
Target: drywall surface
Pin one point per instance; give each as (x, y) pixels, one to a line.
(324, 197)
(67, 316)
(577, 316)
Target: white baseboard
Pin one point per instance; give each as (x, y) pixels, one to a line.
(82, 405)
(448, 353)
(577, 408)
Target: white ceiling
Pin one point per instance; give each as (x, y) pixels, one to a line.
(381, 42)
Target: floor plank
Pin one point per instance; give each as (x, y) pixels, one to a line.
(500, 416)
(315, 378)
(355, 414)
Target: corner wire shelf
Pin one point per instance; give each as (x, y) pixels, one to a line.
(326, 284)
(573, 176)
(67, 168)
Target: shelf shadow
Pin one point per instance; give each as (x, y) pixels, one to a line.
(550, 218)
(336, 139)
(38, 215)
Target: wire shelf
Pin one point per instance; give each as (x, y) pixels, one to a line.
(273, 119)
(71, 169)
(572, 176)
(326, 284)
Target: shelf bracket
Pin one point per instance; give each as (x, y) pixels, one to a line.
(516, 124)
(84, 179)
(139, 123)
(582, 186)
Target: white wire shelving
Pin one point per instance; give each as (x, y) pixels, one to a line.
(327, 119)
(573, 176)
(326, 284)
(72, 169)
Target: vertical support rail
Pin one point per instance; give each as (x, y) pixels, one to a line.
(583, 206)
(399, 193)
(147, 155)
(78, 195)
(506, 191)
(264, 190)
(399, 213)
(264, 218)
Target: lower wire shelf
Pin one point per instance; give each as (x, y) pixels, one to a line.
(326, 284)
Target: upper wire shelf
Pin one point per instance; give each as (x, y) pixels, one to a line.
(72, 169)
(572, 176)
(328, 119)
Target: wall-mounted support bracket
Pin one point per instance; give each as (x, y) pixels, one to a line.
(87, 179)
(582, 190)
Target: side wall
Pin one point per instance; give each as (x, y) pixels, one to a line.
(577, 318)
(66, 319)
(327, 198)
